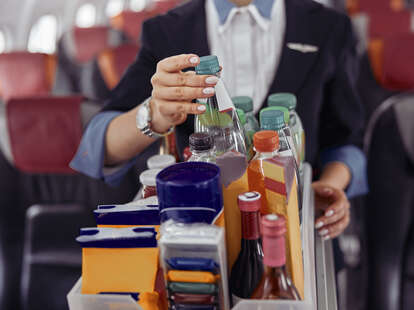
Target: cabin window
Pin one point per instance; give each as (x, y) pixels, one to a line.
(114, 7)
(137, 5)
(86, 16)
(2, 42)
(42, 37)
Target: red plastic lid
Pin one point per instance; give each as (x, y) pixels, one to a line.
(249, 202)
(266, 141)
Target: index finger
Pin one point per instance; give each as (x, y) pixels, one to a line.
(178, 63)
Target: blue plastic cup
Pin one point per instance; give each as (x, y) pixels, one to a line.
(190, 192)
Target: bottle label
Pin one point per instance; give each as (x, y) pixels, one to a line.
(224, 101)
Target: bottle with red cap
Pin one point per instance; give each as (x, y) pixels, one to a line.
(275, 283)
(248, 268)
(266, 144)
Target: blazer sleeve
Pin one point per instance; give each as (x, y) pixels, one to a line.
(133, 89)
(342, 115)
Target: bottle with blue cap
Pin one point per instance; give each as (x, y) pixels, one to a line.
(220, 118)
(245, 103)
(289, 101)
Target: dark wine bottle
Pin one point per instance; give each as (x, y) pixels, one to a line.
(248, 268)
(275, 283)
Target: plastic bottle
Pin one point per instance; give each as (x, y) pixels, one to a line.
(289, 101)
(275, 118)
(220, 118)
(248, 139)
(246, 104)
(201, 147)
(266, 144)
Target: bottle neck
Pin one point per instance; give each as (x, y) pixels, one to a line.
(274, 251)
(200, 153)
(277, 273)
(250, 225)
(261, 154)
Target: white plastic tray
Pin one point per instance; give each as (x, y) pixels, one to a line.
(78, 301)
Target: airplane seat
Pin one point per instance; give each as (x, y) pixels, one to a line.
(356, 6)
(24, 74)
(130, 22)
(42, 134)
(100, 76)
(389, 143)
(76, 49)
(52, 259)
(163, 6)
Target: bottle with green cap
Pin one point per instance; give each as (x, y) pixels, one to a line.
(276, 118)
(220, 119)
(247, 140)
(289, 101)
(245, 103)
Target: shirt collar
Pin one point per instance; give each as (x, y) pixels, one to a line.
(224, 8)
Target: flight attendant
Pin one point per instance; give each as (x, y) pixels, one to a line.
(264, 46)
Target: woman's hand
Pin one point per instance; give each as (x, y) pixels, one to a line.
(173, 91)
(335, 207)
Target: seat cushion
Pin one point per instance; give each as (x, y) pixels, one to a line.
(25, 74)
(44, 133)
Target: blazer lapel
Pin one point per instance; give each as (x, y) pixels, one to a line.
(295, 65)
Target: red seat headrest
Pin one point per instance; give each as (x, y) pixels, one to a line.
(163, 6)
(25, 74)
(392, 60)
(355, 6)
(44, 133)
(383, 24)
(114, 61)
(130, 23)
(88, 42)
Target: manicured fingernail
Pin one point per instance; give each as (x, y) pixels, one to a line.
(208, 90)
(326, 238)
(212, 80)
(329, 213)
(327, 190)
(323, 232)
(194, 60)
(201, 108)
(318, 225)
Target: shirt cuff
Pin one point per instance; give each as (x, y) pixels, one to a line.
(356, 161)
(89, 158)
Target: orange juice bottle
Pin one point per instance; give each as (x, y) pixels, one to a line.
(266, 144)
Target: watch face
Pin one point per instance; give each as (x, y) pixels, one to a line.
(142, 117)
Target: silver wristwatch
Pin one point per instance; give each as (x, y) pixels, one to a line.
(143, 121)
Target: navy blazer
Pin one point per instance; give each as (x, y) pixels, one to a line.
(323, 81)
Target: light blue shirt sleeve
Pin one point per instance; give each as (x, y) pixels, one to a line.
(89, 158)
(356, 161)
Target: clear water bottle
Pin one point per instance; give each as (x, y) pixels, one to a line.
(247, 139)
(246, 104)
(276, 118)
(289, 101)
(220, 119)
(201, 147)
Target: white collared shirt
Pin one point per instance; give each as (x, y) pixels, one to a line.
(249, 47)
